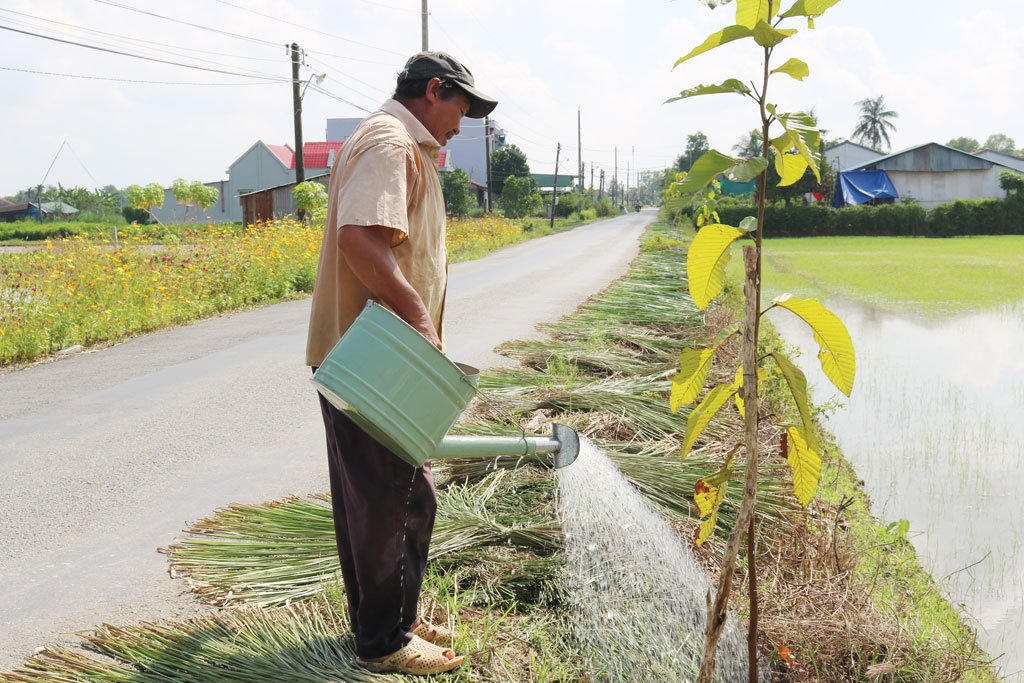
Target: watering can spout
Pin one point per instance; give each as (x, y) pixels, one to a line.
(563, 445)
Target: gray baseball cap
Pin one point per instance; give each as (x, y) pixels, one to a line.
(434, 64)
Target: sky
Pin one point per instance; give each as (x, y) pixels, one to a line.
(83, 117)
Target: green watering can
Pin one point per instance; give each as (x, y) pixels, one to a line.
(401, 390)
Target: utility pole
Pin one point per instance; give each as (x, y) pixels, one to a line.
(487, 151)
(636, 184)
(600, 188)
(591, 176)
(300, 169)
(39, 203)
(554, 190)
(625, 197)
(424, 26)
(579, 148)
(615, 195)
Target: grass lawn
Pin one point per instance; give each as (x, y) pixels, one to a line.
(928, 276)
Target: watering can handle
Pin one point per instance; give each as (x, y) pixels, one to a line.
(509, 416)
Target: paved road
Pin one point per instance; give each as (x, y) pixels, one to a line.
(107, 455)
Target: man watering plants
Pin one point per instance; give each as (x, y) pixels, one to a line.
(385, 240)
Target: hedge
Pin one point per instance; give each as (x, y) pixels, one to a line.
(962, 217)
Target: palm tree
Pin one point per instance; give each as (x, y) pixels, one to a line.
(875, 124)
(749, 146)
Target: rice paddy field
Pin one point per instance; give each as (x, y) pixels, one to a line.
(933, 426)
(843, 594)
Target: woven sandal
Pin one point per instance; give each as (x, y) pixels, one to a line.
(432, 633)
(418, 657)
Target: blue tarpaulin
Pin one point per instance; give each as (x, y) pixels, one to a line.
(860, 187)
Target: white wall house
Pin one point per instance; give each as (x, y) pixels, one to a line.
(934, 174)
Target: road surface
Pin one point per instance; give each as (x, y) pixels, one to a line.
(107, 455)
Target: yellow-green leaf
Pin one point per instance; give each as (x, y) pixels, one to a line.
(798, 388)
(726, 35)
(808, 8)
(701, 416)
(767, 35)
(748, 168)
(694, 365)
(805, 137)
(749, 12)
(782, 144)
(806, 464)
(710, 165)
(730, 86)
(791, 168)
(706, 260)
(836, 354)
(795, 68)
(709, 493)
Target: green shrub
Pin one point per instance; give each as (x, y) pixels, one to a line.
(455, 187)
(603, 207)
(518, 197)
(568, 204)
(978, 217)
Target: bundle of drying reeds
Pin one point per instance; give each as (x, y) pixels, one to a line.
(301, 643)
(284, 551)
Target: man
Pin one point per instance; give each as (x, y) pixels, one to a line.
(385, 240)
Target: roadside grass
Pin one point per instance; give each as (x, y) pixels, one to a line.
(472, 238)
(924, 276)
(32, 233)
(840, 590)
(85, 290)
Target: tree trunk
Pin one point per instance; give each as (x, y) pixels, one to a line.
(718, 611)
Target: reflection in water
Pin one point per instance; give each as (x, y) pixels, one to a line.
(934, 428)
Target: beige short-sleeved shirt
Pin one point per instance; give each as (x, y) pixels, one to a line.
(385, 175)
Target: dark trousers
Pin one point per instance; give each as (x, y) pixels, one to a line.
(383, 516)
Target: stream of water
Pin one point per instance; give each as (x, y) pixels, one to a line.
(638, 594)
(934, 428)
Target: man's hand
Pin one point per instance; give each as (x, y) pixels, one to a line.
(369, 256)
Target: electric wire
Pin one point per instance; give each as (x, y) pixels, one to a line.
(132, 80)
(144, 57)
(121, 5)
(307, 28)
(144, 43)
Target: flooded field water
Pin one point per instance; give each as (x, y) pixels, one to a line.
(935, 428)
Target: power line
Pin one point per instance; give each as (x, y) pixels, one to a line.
(131, 80)
(307, 28)
(149, 59)
(120, 5)
(324, 91)
(145, 43)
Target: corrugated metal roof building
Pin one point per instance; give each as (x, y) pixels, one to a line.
(935, 174)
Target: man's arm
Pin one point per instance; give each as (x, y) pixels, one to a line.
(369, 256)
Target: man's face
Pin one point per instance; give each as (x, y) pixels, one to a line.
(444, 116)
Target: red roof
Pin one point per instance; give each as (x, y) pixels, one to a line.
(284, 153)
(317, 154)
(6, 202)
